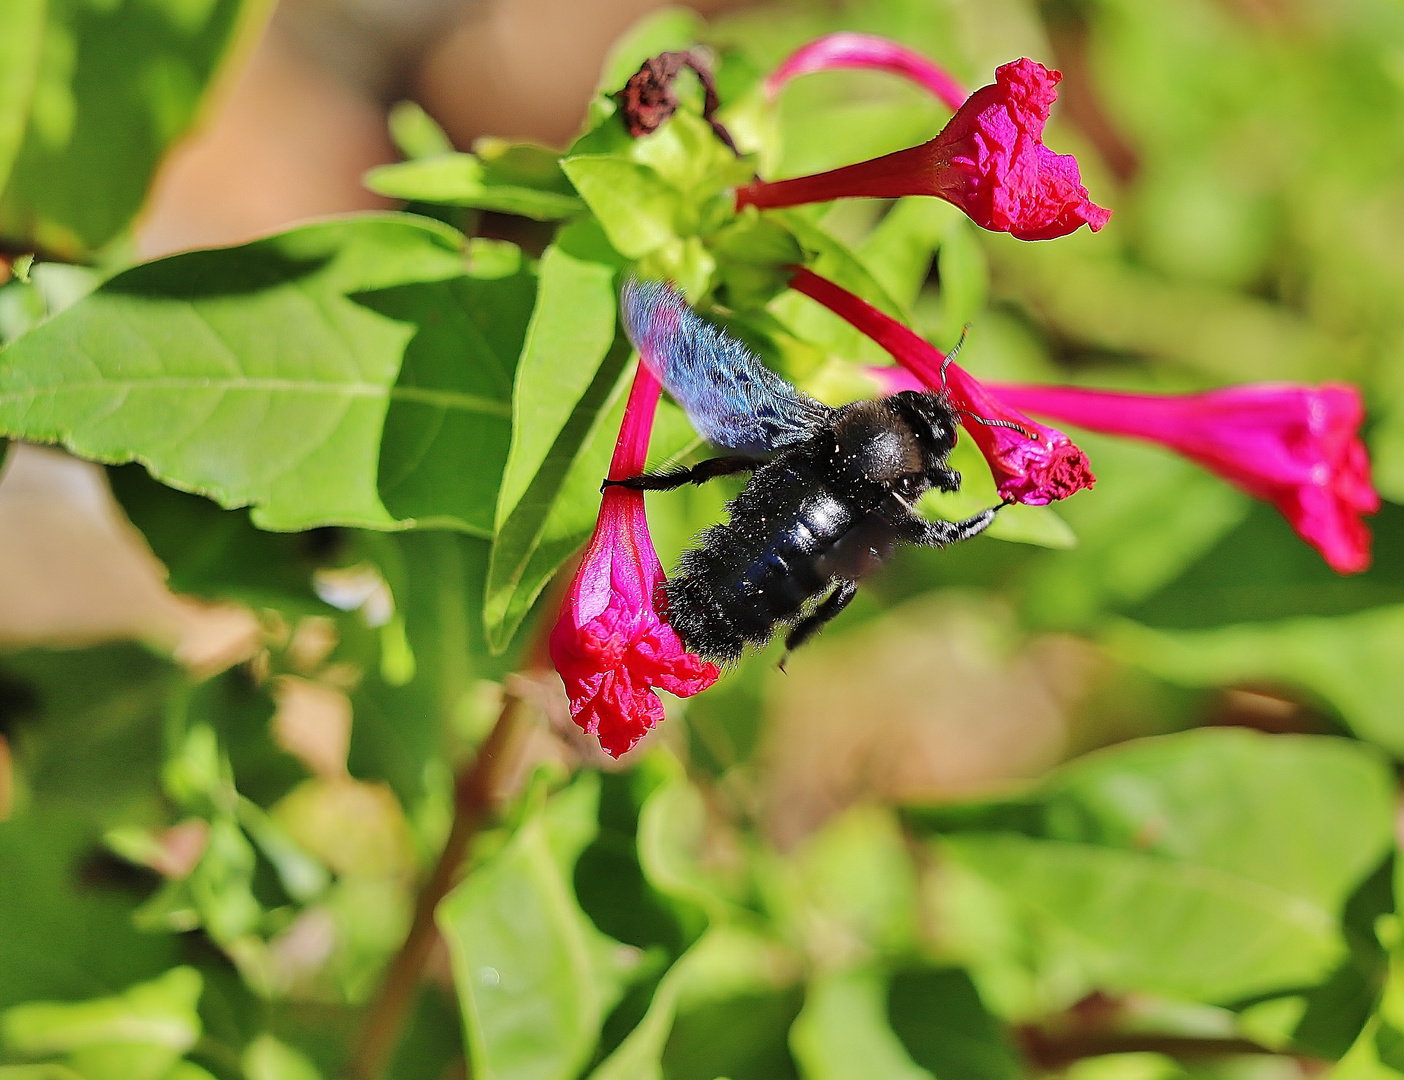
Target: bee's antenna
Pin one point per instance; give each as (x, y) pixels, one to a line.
(1025, 432)
(950, 356)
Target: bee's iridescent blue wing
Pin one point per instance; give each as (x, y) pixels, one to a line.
(732, 399)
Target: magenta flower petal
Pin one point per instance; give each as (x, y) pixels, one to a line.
(846, 50)
(1297, 447)
(610, 645)
(1031, 463)
(989, 160)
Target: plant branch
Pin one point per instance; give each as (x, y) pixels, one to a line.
(1058, 1051)
(477, 794)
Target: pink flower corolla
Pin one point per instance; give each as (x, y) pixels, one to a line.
(1031, 463)
(989, 161)
(1297, 447)
(610, 645)
(846, 50)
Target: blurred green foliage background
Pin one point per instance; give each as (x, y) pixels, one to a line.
(1109, 794)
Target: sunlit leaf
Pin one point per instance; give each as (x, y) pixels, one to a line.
(264, 375)
(843, 1031)
(535, 978)
(465, 180)
(137, 69)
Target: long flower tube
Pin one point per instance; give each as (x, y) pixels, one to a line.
(1297, 447)
(848, 50)
(1031, 463)
(989, 161)
(610, 645)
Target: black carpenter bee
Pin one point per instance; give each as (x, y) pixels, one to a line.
(830, 496)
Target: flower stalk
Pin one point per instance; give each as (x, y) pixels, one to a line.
(847, 50)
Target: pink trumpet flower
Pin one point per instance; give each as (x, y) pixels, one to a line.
(989, 161)
(610, 645)
(1297, 447)
(866, 51)
(1031, 463)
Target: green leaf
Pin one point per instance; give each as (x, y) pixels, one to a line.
(1306, 815)
(535, 978)
(158, 1013)
(137, 1035)
(945, 1027)
(1350, 662)
(465, 180)
(266, 1058)
(264, 375)
(1127, 921)
(727, 963)
(851, 891)
(568, 378)
(135, 69)
(21, 39)
(638, 209)
(1214, 864)
(843, 1031)
(415, 133)
(451, 404)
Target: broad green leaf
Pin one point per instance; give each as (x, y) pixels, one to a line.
(465, 180)
(843, 1031)
(218, 554)
(21, 40)
(1306, 815)
(1351, 662)
(945, 1027)
(38, 1072)
(728, 962)
(638, 210)
(620, 895)
(687, 153)
(1129, 921)
(264, 375)
(447, 430)
(267, 1058)
(672, 835)
(569, 374)
(138, 69)
(1260, 840)
(535, 978)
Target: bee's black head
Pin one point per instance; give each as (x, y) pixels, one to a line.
(932, 422)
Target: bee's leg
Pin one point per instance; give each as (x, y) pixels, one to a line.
(916, 530)
(697, 474)
(812, 623)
